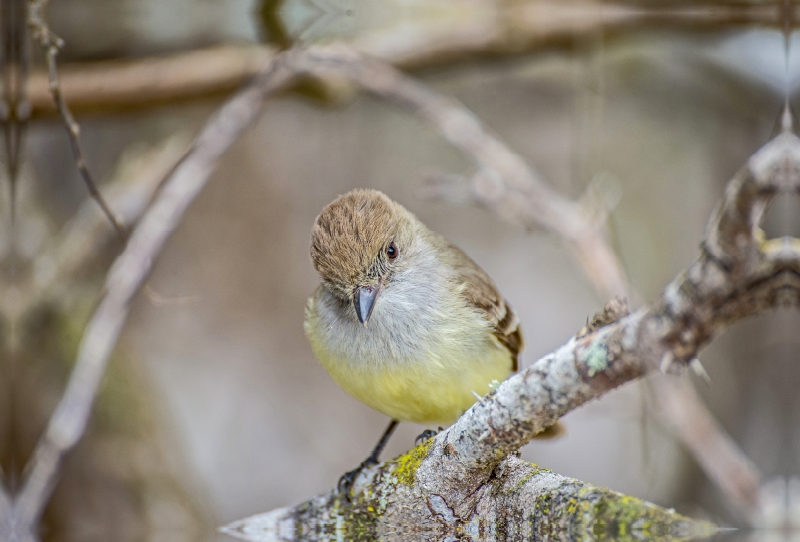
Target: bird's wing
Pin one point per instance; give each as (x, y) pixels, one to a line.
(480, 292)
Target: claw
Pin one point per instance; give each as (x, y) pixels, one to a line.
(345, 484)
(425, 435)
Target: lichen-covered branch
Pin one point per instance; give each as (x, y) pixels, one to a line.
(447, 479)
(524, 502)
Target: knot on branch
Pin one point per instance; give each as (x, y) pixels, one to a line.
(739, 272)
(612, 311)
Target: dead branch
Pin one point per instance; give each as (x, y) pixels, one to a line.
(455, 480)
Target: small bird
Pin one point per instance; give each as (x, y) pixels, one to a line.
(404, 320)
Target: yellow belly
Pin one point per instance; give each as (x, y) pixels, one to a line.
(422, 392)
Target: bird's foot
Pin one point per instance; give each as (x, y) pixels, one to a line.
(345, 484)
(425, 435)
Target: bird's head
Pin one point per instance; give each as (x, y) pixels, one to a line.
(358, 243)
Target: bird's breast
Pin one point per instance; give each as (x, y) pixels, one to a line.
(419, 358)
(408, 326)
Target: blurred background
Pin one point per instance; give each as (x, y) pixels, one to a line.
(214, 408)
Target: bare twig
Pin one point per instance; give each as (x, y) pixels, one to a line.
(458, 480)
(52, 44)
(129, 271)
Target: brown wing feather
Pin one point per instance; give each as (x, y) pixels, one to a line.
(508, 331)
(481, 293)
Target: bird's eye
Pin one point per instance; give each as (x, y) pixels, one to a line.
(392, 251)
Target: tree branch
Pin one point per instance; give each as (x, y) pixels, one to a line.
(508, 187)
(130, 191)
(583, 369)
(453, 480)
(487, 27)
(125, 278)
(146, 82)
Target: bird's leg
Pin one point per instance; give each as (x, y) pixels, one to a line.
(347, 479)
(425, 435)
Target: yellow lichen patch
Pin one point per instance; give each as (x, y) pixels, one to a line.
(408, 463)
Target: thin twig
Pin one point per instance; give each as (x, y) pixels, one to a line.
(52, 44)
(126, 277)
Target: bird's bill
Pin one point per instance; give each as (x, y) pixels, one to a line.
(364, 301)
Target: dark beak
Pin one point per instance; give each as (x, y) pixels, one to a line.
(364, 301)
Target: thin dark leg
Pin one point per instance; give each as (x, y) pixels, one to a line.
(346, 481)
(376, 452)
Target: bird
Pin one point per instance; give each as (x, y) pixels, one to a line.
(403, 320)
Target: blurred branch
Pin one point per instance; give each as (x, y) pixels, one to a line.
(68, 422)
(457, 479)
(458, 30)
(130, 192)
(125, 84)
(491, 27)
(718, 455)
(52, 44)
